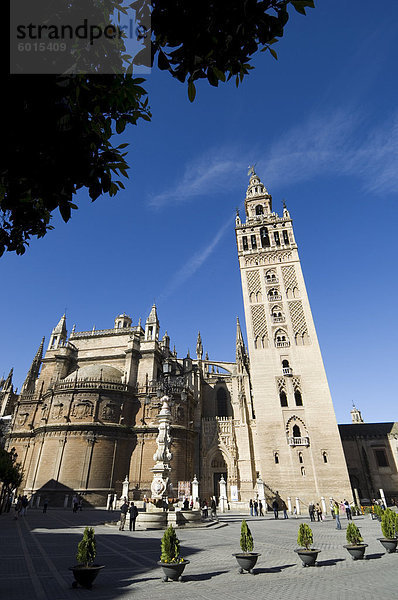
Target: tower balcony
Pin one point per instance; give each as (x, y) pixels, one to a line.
(275, 298)
(298, 441)
(285, 344)
(287, 371)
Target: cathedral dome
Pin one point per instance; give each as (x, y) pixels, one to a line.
(105, 372)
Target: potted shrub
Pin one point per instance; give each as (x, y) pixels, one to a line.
(171, 561)
(389, 522)
(355, 546)
(307, 554)
(85, 572)
(247, 558)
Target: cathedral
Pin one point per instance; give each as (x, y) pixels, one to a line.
(85, 419)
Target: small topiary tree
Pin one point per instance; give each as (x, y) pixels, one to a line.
(86, 550)
(389, 524)
(170, 547)
(305, 537)
(353, 535)
(246, 538)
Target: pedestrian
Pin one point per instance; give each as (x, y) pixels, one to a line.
(191, 504)
(348, 510)
(332, 507)
(80, 504)
(251, 507)
(311, 510)
(18, 506)
(336, 510)
(123, 512)
(133, 512)
(185, 504)
(45, 504)
(213, 508)
(260, 508)
(295, 512)
(75, 503)
(275, 508)
(25, 504)
(255, 507)
(205, 509)
(318, 511)
(284, 508)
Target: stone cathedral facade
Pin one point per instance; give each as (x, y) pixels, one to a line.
(86, 414)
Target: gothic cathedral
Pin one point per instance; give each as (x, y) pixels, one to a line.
(86, 415)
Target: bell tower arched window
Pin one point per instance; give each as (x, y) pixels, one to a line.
(296, 431)
(283, 398)
(259, 209)
(298, 398)
(265, 242)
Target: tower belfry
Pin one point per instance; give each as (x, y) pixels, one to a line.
(298, 447)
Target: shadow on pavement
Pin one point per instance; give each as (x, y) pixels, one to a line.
(278, 569)
(203, 576)
(330, 562)
(374, 556)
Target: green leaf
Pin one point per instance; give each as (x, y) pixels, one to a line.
(219, 74)
(274, 54)
(120, 125)
(191, 91)
(301, 5)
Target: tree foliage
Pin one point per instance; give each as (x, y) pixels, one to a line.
(246, 538)
(87, 548)
(305, 537)
(65, 126)
(170, 546)
(389, 522)
(353, 535)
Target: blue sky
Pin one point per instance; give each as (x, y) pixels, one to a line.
(321, 124)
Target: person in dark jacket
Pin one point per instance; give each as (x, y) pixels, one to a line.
(133, 512)
(123, 512)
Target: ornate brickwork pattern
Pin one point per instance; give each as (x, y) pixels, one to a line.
(296, 383)
(268, 259)
(289, 277)
(297, 317)
(253, 281)
(281, 384)
(258, 321)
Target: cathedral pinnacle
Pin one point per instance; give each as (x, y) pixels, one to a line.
(199, 347)
(33, 373)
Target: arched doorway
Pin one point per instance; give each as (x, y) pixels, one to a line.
(218, 469)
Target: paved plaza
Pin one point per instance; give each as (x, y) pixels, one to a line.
(37, 550)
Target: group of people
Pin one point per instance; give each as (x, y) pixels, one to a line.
(315, 512)
(256, 508)
(21, 506)
(130, 509)
(336, 507)
(77, 504)
(213, 509)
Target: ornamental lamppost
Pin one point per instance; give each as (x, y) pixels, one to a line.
(162, 457)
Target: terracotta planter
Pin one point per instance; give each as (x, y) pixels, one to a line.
(173, 571)
(308, 557)
(390, 544)
(85, 576)
(357, 552)
(246, 561)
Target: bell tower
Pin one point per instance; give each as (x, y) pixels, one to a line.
(297, 443)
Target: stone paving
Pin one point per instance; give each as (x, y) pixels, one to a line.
(36, 551)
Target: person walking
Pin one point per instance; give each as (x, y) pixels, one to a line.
(260, 508)
(318, 511)
(251, 507)
(284, 508)
(45, 504)
(205, 509)
(348, 510)
(336, 510)
(123, 512)
(133, 512)
(255, 506)
(295, 511)
(213, 509)
(311, 510)
(275, 508)
(75, 503)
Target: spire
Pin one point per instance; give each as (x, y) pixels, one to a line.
(241, 354)
(152, 325)
(356, 416)
(33, 373)
(258, 202)
(59, 334)
(61, 327)
(199, 347)
(8, 382)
